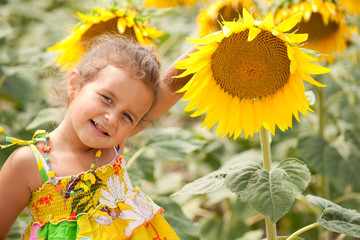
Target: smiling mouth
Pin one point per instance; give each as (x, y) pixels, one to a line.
(99, 128)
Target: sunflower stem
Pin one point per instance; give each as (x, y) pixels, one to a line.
(321, 111)
(302, 230)
(324, 188)
(265, 148)
(135, 156)
(2, 79)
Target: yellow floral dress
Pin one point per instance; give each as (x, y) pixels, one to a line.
(108, 208)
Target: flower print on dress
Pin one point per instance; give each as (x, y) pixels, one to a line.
(143, 210)
(116, 194)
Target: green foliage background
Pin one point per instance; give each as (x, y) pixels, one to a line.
(176, 150)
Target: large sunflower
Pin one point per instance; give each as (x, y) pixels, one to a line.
(168, 3)
(249, 75)
(122, 21)
(324, 21)
(210, 17)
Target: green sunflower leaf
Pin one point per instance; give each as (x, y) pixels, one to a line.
(325, 159)
(5, 28)
(272, 193)
(211, 182)
(336, 218)
(182, 225)
(174, 143)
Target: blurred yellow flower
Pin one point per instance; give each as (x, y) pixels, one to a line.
(324, 21)
(122, 21)
(210, 17)
(352, 6)
(249, 75)
(168, 3)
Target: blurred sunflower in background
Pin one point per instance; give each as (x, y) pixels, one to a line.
(123, 21)
(353, 6)
(210, 17)
(249, 75)
(325, 23)
(169, 3)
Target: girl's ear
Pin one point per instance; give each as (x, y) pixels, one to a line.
(73, 83)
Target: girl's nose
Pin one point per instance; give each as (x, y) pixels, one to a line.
(111, 119)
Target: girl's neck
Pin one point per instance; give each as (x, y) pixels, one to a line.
(67, 151)
(68, 141)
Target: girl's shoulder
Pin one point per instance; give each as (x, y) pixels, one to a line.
(22, 164)
(22, 157)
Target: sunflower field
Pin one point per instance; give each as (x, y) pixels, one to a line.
(234, 159)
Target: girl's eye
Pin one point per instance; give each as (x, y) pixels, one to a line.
(107, 99)
(128, 116)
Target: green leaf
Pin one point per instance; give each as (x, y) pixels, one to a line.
(253, 235)
(147, 166)
(325, 159)
(272, 193)
(174, 143)
(5, 28)
(209, 183)
(336, 218)
(298, 173)
(284, 238)
(48, 115)
(184, 227)
(321, 202)
(237, 181)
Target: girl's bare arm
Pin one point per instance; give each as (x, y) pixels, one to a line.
(167, 96)
(15, 180)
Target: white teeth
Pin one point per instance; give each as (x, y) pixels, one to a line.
(100, 128)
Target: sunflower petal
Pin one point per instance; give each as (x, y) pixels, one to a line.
(186, 86)
(293, 61)
(153, 32)
(249, 21)
(253, 32)
(121, 25)
(105, 15)
(248, 117)
(297, 38)
(91, 19)
(138, 34)
(268, 22)
(201, 79)
(210, 92)
(234, 26)
(186, 72)
(289, 23)
(315, 69)
(234, 109)
(258, 114)
(309, 79)
(302, 56)
(224, 102)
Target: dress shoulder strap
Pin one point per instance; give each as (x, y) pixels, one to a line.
(40, 135)
(40, 163)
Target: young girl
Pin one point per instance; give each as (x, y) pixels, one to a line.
(73, 179)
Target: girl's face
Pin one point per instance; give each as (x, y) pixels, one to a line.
(103, 112)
